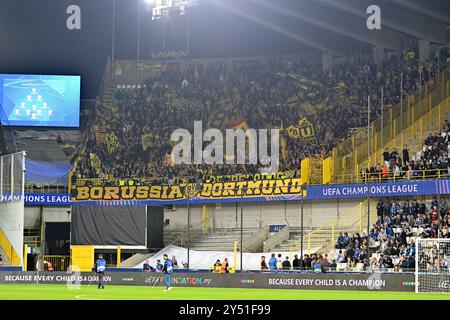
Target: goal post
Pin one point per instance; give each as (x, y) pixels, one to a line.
(431, 271)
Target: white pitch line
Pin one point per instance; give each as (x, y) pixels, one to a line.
(83, 295)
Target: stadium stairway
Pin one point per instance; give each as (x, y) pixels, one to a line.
(109, 95)
(412, 136)
(324, 238)
(173, 237)
(420, 117)
(429, 125)
(220, 240)
(135, 259)
(295, 235)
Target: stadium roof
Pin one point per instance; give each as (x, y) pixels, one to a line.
(339, 26)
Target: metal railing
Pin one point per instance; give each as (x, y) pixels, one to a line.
(323, 238)
(424, 108)
(392, 176)
(46, 189)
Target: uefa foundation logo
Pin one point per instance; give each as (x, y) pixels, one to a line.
(241, 147)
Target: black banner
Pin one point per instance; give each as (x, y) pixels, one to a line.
(401, 282)
(112, 225)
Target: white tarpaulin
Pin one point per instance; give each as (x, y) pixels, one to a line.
(206, 259)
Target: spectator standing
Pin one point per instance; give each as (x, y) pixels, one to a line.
(159, 266)
(263, 263)
(386, 157)
(296, 263)
(340, 257)
(273, 262)
(307, 261)
(225, 266)
(174, 262)
(286, 264)
(405, 155)
(279, 262)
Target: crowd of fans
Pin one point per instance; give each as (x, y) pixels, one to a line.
(317, 263)
(433, 258)
(267, 94)
(392, 236)
(432, 161)
(146, 267)
(220, 267)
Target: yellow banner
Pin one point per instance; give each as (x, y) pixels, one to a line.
(304, 131)
(213, 190)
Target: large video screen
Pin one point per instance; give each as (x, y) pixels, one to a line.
(39, 100)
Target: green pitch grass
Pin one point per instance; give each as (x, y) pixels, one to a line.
(61, 292)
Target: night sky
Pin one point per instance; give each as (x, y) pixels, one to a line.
(34, 37)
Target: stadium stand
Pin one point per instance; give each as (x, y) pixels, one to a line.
(140, 144)
(222, 240)
(431, 161)
(400, 221)
(392, 237)
(358, 206)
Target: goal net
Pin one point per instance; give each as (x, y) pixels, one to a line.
(432, 274)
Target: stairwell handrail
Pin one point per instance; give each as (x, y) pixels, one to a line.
(183, 235)
(331, 224)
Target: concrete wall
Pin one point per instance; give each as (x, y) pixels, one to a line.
(50, 214)
(11, 223)
(32, 217)
(259, 214)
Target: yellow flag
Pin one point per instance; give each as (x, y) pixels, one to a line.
(95, 162)
(112, 142)
(284, 151)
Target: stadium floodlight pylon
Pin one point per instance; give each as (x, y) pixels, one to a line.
(431, 271)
